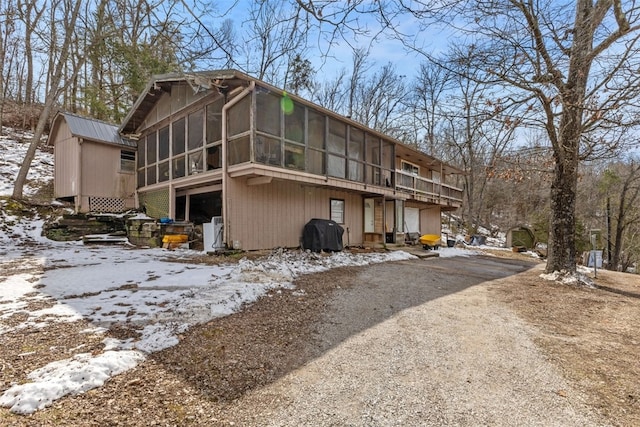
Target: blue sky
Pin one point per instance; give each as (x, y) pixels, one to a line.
(383, 50)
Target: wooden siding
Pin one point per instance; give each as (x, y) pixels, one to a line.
(169, 104)
(273, 215)
(66, 158)
(430, 221)
(101, 176)
(266, 207)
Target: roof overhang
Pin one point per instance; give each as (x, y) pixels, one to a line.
(413, 155)
(221, 81)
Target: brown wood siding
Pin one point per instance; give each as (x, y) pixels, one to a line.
(66, 159)
(430, 220)
(101, 176)
(273, 215)
(181, 97)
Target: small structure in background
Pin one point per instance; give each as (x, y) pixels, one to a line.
(95, 167)
(520, 239)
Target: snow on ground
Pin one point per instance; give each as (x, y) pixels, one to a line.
(13, 146)
(155, 290)
(161, 293)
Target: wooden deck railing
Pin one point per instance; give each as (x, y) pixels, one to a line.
(428, 190)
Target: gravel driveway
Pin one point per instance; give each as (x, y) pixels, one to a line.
(418, 343)
(425, 342)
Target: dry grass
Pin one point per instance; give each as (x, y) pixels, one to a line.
(592, 335)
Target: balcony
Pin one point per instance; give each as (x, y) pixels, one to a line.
(426, 190)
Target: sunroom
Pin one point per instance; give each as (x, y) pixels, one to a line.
(226, 145)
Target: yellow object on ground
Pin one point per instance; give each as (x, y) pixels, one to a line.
(431, 240)
(172, 241)
(175, 238)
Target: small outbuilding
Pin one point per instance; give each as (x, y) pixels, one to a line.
(521, 237)
(95, 168)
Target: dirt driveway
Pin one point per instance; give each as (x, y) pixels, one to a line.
(450, 341)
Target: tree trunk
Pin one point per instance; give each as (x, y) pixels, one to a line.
(562, 229)
(609, 246)
(566, 150)
(52, 94)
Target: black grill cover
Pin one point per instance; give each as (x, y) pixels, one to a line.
(322, 235)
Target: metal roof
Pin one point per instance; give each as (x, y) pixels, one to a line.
(95, 130)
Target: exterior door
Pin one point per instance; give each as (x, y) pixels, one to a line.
(412, 220)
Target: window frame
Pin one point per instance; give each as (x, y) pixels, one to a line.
(127, 161)
(333, 214)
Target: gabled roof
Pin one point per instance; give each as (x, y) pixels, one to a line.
(224, 81)
(93, 130)
(221, 80)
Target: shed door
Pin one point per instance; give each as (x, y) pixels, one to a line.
(412, 220)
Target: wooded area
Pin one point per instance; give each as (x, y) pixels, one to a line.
(536, 101)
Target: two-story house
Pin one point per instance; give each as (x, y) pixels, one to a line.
(223, 144)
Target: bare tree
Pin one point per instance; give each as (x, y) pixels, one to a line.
(331, 93)
(573, 66)
(276, 35)
(380, 100)
(359, 69)
(64, 13)
(622, 180)
(7, 28)
(30, 13)
(427, 104)
(480, 125)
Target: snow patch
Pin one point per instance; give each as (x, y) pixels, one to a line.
(75, 375)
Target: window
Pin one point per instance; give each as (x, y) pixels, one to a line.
(316, 128)
(316, 162)
(151, 175)
(178, 170)
(177, 136)
(373, 149)
(238, 117)
(239, 150)
(214, 121)
(337, 210)
(194, 130)
(336, 166)
(268, 151)
(163, 143)
(151, 149)
(267, 112)
(127, 161)
(214, 157)
(355, 152)
(410, 168)
(195, 164)
(142, 150)
(163, 171)
(142, 173)
(336, 143)
(294, 156)
(294, 124)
